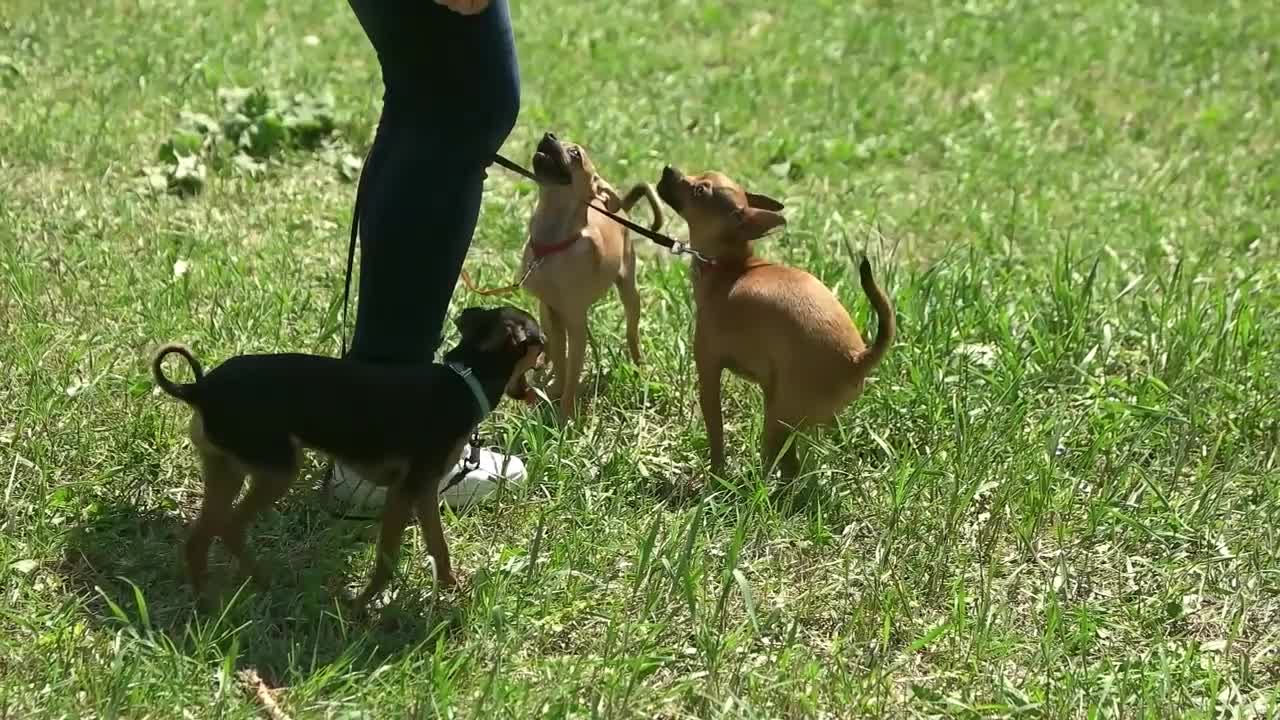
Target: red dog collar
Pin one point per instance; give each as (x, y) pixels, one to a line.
(540, 251)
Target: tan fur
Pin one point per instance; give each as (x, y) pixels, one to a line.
(774, 325)
(568, 283)
(224, 474)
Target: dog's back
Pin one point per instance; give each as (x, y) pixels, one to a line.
(782, 327)
(260, 407)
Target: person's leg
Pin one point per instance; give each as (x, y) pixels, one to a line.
(451, 97)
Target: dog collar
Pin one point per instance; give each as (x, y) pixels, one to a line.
(540, 250)
(470, 379)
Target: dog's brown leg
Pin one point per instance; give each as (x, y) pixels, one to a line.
(709, 371)
(267, 487)
(222, 484)
(576, 333)
(428, 509)
(630, 302)
(395, 517)
(554, 331)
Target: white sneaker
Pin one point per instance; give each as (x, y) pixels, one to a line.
(480, 473)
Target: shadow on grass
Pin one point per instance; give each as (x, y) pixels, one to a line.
(125, 562)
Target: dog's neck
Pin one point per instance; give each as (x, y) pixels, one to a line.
(489, 370)
(478, 392)
(722, 254)
(558, 215)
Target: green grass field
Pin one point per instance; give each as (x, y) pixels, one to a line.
(1058, 498)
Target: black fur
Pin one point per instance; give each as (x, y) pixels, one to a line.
(252, 405)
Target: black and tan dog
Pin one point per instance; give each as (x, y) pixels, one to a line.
(400, 426)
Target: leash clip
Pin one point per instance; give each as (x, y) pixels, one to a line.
(682, 248)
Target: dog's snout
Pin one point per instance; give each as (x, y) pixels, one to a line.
(551, 162)
(669, 187)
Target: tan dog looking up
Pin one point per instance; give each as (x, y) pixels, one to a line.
(774, 325)
(579, 254)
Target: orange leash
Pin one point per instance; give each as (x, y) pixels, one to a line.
(471, 285)
(505, 289)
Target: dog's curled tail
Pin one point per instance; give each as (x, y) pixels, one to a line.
(182, 391)
(888, 326)
(645, 190)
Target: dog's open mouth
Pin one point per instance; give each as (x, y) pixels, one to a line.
(551, 162)
(519, 387)
(521, 390)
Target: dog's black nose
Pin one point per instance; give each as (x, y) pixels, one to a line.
(549, 144)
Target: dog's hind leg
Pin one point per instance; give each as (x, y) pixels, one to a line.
(630, 297)
(222, 483)
(268, 486)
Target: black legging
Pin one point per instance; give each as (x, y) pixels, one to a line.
(451, 96)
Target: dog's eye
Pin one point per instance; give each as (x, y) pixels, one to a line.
(575, 153)
(700, 191)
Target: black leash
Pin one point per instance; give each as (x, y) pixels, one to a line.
(675, 246)
(516, 168)
(471, 463)
(669, 243)
(351, 251)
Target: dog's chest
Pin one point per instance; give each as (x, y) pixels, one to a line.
(733, 327)
(713, 291)
(577, 274)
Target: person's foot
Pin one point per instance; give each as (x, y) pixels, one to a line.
(479, 475)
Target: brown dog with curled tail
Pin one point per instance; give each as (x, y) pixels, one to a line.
(774, 325)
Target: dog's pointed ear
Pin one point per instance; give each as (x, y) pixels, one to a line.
(763, 202)
(755, 224)
(470, 324)
(604, 191)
